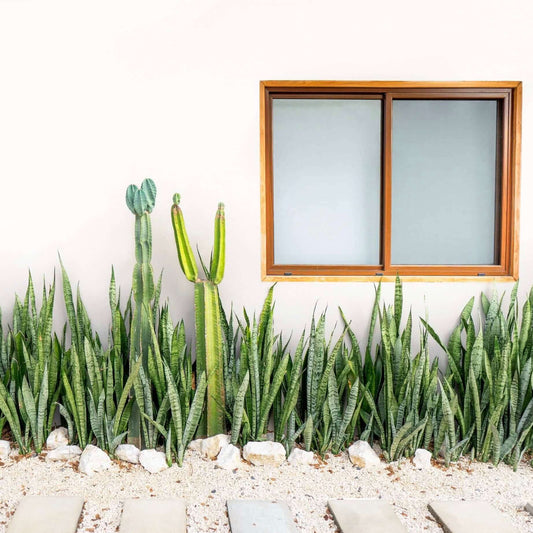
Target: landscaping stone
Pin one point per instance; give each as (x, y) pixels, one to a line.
(195, 445)
(370, 516)
(362, 455)
(128, 453)
(301, 457)
(211, 446)
(46, 514)
(5, 450)
(529, 507)
(469, 516)
(260, 516)
(147, 515)
(422, 459)
(229, 458)
(265, 453)
(92, 460)
(153, 461)
(63, 453)
(57, 438)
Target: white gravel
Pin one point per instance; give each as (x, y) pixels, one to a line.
(306, 489)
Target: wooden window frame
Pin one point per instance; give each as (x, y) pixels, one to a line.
(508, 93)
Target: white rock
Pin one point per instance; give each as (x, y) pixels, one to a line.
(153, 461)
(5, 449)
(57, 438)
(362, 455)
(229, 457)
(422, 458)
(211, 446)
(264, 453)
(92, 460)
(301, 457)
(195, 445)
(63, 453)
(128, 453)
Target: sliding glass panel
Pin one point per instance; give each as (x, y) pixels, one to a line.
(327, 176)
(444, 180)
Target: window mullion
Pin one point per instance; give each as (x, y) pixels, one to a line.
(386, 188)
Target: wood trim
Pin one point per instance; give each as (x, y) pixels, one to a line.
(335, 84)
(510, 93)
(263, 95)
(515, 162)
(392, 279)
(318, 95)
(505, 186)
(498, 169)
(386, 187)
(392, 270)
(267, 203)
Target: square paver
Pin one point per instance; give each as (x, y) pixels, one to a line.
(150, 515)
(46, 514)
(470, 516)
(258, 516)
(368, 516)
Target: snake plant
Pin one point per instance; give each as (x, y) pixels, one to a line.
(30, 369)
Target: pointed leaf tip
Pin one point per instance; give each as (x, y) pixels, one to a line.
(176, 198)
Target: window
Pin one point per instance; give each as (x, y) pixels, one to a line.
(366, 179)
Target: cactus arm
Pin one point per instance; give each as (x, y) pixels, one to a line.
(185, 254)
(218, 259)
(149, 189)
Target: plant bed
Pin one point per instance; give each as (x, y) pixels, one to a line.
(306, 489)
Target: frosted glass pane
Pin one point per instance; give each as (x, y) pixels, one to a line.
(443, 182)
(326, 166)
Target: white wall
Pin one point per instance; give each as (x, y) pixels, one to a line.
(97, 95)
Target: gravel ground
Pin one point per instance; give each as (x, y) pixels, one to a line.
(305, 488)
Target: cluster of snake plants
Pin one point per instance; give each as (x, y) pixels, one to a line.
(255, 373)
(209, 355)
(31, 358)
(401, 390)
(311, 397)
(95, 400)
(487, 389)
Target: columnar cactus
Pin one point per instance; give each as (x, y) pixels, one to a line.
(141, 202)
(209, 356)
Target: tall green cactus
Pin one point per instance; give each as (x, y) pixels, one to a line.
(209, 356)
(141, 202)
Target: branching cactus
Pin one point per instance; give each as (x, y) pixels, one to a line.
(140, 202)
(209, 355)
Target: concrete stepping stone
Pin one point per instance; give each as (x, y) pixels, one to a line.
(258, 516)
(469, 516)
(151, 514)
(368, 516)
(46, 514)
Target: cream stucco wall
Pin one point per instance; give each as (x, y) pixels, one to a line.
(96, 95)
